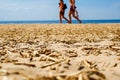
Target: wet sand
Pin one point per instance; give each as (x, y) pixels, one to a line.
(60, 52)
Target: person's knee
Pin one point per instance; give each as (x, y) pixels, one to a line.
(62, 16)
(74, 16)
(69, 14)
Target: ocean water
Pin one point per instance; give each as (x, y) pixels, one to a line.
(57, 22)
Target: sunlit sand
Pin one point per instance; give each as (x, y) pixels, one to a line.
(60, 52)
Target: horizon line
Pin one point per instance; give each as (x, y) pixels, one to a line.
(58, 20)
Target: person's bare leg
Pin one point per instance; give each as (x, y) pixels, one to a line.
(66, 19)
(77, 18)
(60, 18)
(70, 18)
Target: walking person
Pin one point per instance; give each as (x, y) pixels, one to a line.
(62, 7)
(73, 12)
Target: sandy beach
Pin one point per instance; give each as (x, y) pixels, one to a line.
(60, 52)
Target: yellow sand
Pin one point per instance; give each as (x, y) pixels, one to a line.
(60, 52)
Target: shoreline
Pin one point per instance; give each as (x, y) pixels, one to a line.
(57, 22)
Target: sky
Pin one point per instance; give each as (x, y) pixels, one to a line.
(11, 10)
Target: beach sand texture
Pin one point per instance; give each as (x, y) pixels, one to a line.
(60, 52)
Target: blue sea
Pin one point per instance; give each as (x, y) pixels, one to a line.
(64, 22)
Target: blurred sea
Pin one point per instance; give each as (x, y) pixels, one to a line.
(64, 22)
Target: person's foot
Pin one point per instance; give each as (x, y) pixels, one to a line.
(80, 22)
(69, 22)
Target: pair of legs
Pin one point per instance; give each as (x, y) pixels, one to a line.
(61, 15)
(73, 13)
